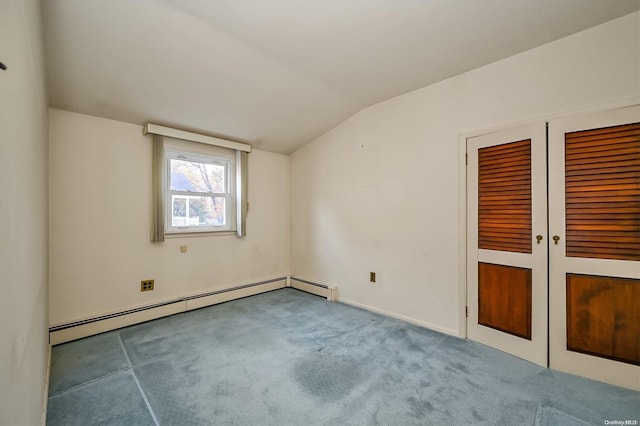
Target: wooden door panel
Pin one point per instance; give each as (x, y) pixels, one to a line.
(504, 298)
(603, 317)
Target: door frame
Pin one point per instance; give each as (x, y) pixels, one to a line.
(462, 186)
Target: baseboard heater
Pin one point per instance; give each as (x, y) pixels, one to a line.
(78, 329)
(330, 292)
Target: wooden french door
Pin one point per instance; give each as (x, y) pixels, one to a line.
(588, 258)
(506, 246)
(594, 194)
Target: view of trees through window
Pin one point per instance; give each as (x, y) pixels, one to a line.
(198, 193)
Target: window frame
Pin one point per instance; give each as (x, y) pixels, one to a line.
(204, 155)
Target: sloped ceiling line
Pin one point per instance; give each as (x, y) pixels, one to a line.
(279, 73)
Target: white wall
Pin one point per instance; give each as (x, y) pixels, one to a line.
(380, 191)
(100, 210)
(23, 215)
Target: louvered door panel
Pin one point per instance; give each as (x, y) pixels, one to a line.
(504, 202)
(602, 181)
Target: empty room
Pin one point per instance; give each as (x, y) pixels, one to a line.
(274, 212)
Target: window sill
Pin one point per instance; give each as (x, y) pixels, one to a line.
(196, 234)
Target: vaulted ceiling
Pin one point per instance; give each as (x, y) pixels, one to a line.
(279, 73)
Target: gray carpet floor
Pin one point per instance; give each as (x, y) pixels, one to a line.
(291, 358)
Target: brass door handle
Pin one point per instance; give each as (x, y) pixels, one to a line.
(538, 238)
(556, 239)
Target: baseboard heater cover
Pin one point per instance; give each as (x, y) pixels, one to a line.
(330, 292)
(113, 315)
(83, 328)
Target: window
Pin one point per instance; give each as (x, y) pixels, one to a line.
(199, 183)
(200, 192)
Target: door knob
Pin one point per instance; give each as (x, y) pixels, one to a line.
(538, 238)
(556, 239)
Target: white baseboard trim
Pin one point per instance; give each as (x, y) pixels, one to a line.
(89, 327)
(214, 299)
(73, 331)
(424, 324)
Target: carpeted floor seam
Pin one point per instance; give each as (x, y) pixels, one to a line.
(135, 378)
(144, 397)
(81, 385)
(124, 350)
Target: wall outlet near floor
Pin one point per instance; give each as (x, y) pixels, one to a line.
(146, 285)
(372, 277)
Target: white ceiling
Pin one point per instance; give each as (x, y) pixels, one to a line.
(278, 73)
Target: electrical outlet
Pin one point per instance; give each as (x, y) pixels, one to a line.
(146, 285)
(372, 277)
